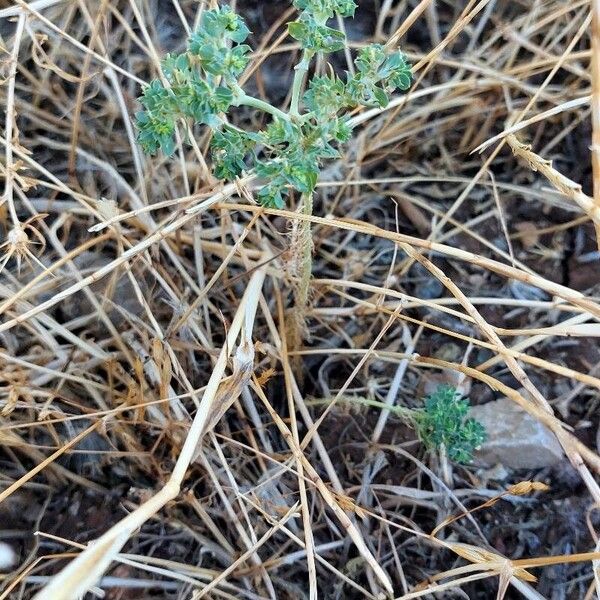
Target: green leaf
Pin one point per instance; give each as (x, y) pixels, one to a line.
(316, 37)
(222, 23)
(370, 58)
(330, 40)
(300, 177)
(345, 8)
(212, 59)
(281, 132)
(156, 124)
(396, 72)
(236, 60)
(326, 96)
(342, 131)
(310, 178)
(270, 196)
(222, 99)
(175, 67)
(209, 43)
(377, 74)
(391, 63)
(155, 134)
(229, 148)
(167, 145)
(326, 9)
(381, 97)
(298, 30)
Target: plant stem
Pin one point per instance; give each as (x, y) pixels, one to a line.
(306, 249)
(301, 271)
(244, 99)
(303, 249)
(299, 73)
(400, 411)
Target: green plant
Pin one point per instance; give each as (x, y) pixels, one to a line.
(201, 85)
(442, 424)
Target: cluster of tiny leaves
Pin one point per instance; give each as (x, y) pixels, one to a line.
(443, 423)
(311, 30)
(200, 86)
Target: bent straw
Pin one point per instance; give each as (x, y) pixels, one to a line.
(85, 570)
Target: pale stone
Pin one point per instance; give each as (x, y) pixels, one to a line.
(515, 439)
(8, 558)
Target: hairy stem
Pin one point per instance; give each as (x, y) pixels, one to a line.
(302, 248)
(398, 410)
(306, 249)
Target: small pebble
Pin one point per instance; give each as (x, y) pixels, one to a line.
(515, 439)
(8, 557)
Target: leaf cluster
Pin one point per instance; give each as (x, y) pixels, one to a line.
(230, 147)
(295, 152)
(311, 28)
(316, 37)
(377, 75)
(211, 43)
(200, 85)
(322, 10)
(443, 423)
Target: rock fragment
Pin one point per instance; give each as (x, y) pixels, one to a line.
(515, 439)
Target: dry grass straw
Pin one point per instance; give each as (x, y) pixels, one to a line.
(563, 184)
(83, 572)
(144, 310)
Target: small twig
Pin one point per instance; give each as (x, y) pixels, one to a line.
(10, 122)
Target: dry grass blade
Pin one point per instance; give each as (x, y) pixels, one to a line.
(595, 148)
(160, 437)
(561, 291)
(563, 184)
(570, 105)
(330, 499)
(82, 573)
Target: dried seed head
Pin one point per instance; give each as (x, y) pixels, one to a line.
(17, 237)
(526, 487)
(17, 244)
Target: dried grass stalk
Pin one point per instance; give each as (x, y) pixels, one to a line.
(564, 185)
(83, 572)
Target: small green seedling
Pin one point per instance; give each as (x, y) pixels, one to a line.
(442, 424)
(201, 86)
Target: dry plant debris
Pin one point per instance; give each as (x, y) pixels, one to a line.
(161, 433)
